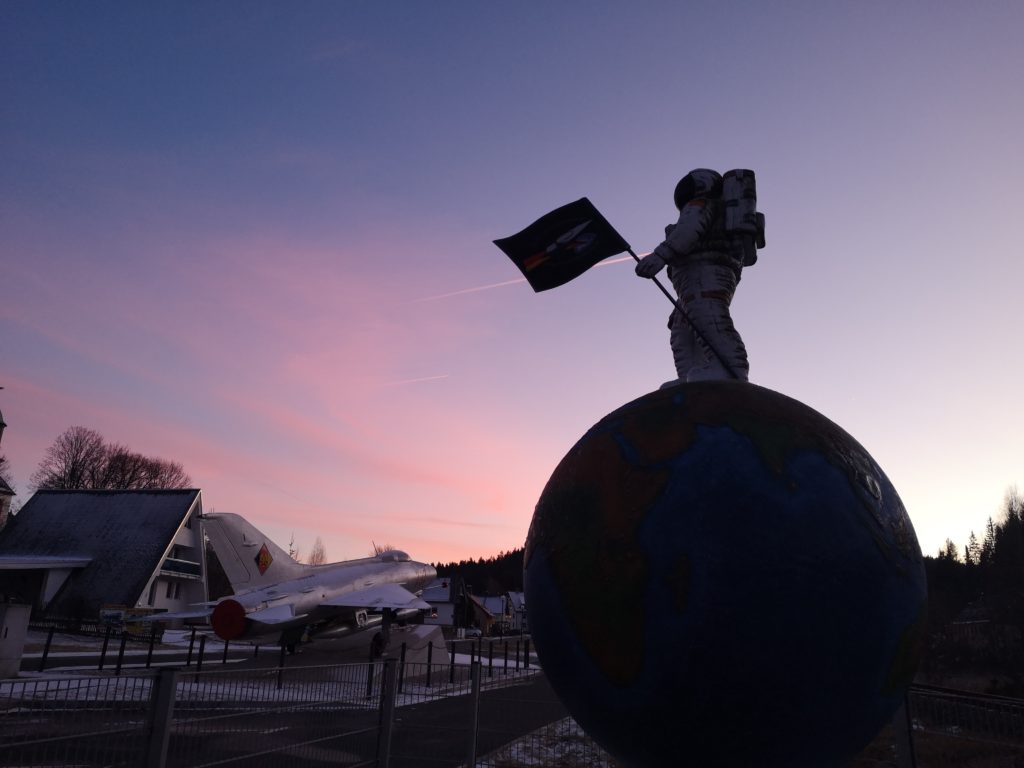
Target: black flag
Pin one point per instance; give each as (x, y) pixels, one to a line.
(562, 245)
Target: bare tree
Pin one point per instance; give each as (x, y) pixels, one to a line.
(79, 459)
(172, 474)
(318, 554)
(294, 552)
(379, 549)
(71, 462)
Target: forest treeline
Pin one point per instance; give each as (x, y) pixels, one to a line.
(991, 567)
(976, 604)
(493, 576)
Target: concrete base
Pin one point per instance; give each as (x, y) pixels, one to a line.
(13, 630)
(417, 637)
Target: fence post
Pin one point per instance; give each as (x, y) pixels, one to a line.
(199, 661)
(526, 653)
(903, 735)
(280, 667)
(451, 664)
(490, 659)
(152, 641)
(46, 649)
(161, 709)
(369, 675)
(120, 653)
(103, 651)
(387, 713)
(506, 658)
(224, 660)
(474, 721)
(401, 670)
(191, 645)
(430, 659)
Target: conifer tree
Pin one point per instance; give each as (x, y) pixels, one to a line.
(972, 552)
(989, 544)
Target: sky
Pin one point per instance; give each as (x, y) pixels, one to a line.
(255, 238)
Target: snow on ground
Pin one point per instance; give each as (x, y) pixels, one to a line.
(561, 743)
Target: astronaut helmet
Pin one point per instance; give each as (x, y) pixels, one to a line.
(700, 182)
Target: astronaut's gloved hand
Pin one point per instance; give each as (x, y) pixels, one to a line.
(650, 265)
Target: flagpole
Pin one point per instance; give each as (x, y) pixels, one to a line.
(679, 308)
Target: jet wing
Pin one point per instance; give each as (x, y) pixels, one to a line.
(277, 614)
(201, 613)
(378, 598)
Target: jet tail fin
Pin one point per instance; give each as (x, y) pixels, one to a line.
(250, 559)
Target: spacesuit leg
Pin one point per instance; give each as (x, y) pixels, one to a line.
(707, 291)
(684, 348)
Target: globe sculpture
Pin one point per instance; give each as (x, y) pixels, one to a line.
(718, 575)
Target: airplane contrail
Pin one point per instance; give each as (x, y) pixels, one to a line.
(469, 290)
(488, 287)
(414, 381)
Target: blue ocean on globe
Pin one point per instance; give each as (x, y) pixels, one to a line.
(718, 575)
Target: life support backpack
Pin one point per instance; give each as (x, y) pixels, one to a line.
(743, 225)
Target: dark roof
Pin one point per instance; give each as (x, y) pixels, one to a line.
(125, 533)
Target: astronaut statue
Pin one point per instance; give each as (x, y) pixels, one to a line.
(717, 234)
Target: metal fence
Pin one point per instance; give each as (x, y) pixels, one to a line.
(274, 717)
(996, 719)
(79, 721)
(953, 729)
(485, 714)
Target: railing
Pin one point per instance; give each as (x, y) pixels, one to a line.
(391, 714)
(995, 719)
(90, 721)
(282, 716)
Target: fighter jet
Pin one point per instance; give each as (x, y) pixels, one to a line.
(277, 596)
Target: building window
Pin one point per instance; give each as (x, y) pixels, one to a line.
(152, 593)
(173, 590)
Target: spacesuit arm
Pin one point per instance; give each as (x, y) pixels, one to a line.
(694, 220)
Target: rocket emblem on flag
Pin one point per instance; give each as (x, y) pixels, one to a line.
(263, 559)
(575, 241)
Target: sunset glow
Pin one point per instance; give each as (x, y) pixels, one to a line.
(257, 239)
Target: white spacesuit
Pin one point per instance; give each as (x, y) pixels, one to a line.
(704, 264)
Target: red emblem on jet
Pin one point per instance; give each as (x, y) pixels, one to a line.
(263, 559)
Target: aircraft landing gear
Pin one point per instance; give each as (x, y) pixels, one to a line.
(377, 645)
(380, 641)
